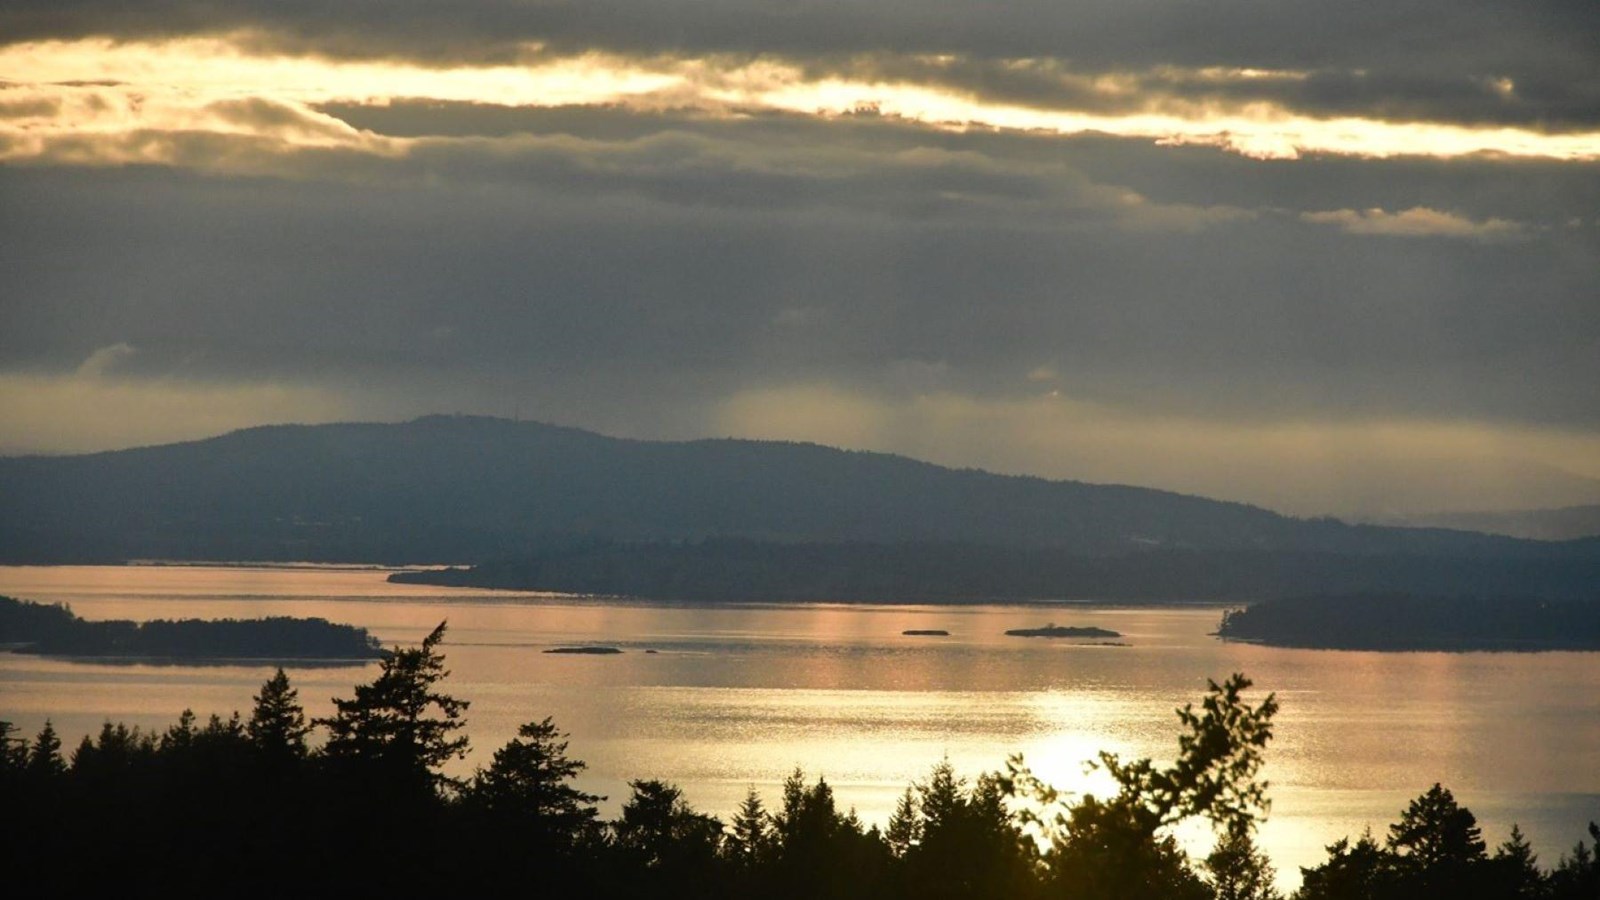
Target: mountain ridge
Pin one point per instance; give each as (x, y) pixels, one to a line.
(464, 489)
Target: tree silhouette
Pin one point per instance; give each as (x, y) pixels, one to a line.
(1578, 876)
(277, 724)
(966, 844)
(821, 852)
(1516, 874)
(749, 840)
(13, 750)
(660, 832)
(400, 724)
(366, 829)
(526, 790)
(905, 825)
(1113, 848)
(44, 757)
(1240, 871)
(1434, 832)
(1362, 871)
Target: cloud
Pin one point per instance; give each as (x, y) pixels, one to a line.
(616, 279)
(104, 359)
(1417, 222)
(677, 162)
(210, 85)
(1471, 61)
(670, 221)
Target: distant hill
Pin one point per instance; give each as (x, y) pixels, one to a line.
(453, 489)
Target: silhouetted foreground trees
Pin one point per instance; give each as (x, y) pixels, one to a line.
(249, 806)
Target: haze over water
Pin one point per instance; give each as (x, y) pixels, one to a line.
(739, 696)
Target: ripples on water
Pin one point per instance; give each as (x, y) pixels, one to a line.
(740, 696)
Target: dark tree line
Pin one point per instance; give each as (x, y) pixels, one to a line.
(52, 629)
(249, 805)
(736, 569)
(1391, 621)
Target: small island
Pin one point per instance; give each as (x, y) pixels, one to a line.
(925, 632)
(587, 651)
(53, 630)
(1065, 631)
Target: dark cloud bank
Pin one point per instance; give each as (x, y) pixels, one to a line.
(766, 253)
(634, 271)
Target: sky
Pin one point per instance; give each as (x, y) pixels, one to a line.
(1329, 260)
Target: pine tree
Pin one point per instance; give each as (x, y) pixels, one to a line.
(1516, 868)
(905, 826)
(941, 801)
(180, 737)
(1436, 832)
(1578, 876)
(399, 725)
(13, 750)
(1240, 871)
(44, 758)
(526, 789)
(1353, 872)
(749, 840)
(277, 724)
(659, 830)
(1439, 847)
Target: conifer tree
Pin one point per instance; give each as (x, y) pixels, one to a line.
(13, 750)
(44, 758)
(905, 825)
(1238, 870)
(658, 829)
(400, 724)
(749, 840)
(1438, 848)
(526, 788)
(1516, 868)
(277, 724)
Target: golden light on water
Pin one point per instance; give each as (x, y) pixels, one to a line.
(739, 696)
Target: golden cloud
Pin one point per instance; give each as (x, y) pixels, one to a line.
(1419, 221)
(99, 88)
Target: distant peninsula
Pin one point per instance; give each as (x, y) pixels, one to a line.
(925, 632)
(586, 651)
(1064, 631)
(740, 570)
(53, 630)
(1408, 622)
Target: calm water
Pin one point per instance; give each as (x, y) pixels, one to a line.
(735, 697)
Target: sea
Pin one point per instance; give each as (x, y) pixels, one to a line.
(721, 698)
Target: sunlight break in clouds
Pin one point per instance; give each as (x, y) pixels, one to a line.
(178, 84)
(95, 409)
(1304, 467)
(1418, 221)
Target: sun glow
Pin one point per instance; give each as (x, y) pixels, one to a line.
(87, 88)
